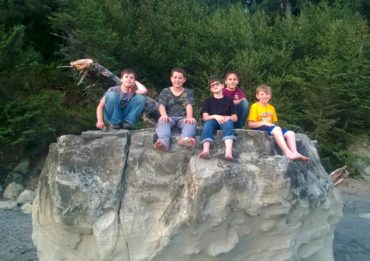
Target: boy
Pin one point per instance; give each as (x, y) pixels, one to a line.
(176, 110)
(218, 112)
(262, 116)
(235, 93)
(122, 104)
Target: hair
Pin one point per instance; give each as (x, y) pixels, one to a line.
(212, 79)
(264, 88)
(128, 71)
(179, 70)
(231, 72)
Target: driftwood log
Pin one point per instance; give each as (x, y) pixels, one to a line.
(338, 175)
(92, 70)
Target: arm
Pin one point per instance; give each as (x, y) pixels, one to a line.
(234, 117)
(189, 114)
(141, 89)
(257, 124)
(219, 118)
(236, 102)
(162, 111)
(99, 114)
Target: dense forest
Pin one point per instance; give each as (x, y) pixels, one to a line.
(314, 54)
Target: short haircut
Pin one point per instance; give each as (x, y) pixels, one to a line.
(231, 72)
(179, 70)
(264, 88)
(212, 79)
(128, 71)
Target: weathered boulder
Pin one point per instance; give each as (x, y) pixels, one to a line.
(26, 196)
(8, 204)
(110, 196)
(360, 147)
(13, 190)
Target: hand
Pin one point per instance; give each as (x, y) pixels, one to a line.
(100, 125)
(81, 64)
(268, 124)
(164, 119)
(221, 119)
(190, 120)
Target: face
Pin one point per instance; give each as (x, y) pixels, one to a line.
(216, 87)
(128, 79)
(231, 81)
(177, 79)
(263, 97)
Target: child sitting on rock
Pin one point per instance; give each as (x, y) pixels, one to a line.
(176, 110)
(262, 116)
(218, 112)
(232, 91)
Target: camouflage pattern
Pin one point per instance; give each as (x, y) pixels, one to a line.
(176, 105)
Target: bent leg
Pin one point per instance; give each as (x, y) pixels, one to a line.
(292, 145)
(280, 141)
(208, 129)
(188, 132)
(242, 110)
(112, 110)
(163, 130)
(228, 137)
(133, 109)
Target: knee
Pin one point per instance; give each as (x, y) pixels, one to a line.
(289, 133)
(244, 103)
(277, 130)
(139, 98)
(111, 96)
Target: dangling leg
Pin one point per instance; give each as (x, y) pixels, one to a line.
(291, 143)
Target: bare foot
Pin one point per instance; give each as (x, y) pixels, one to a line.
(297, 156)
(228, 157)
(293, 156)
(187, 142)
(303, 158)
(204, 155)
(159, 145)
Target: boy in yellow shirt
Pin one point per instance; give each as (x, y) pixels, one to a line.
(262, 116)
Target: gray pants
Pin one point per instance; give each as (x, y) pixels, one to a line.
(163, 129)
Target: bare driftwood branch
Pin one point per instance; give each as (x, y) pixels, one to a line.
(88, 68)
(338, 175)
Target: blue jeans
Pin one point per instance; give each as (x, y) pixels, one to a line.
(114, 114)
(211, 125)
(163, 129)
(242, 110)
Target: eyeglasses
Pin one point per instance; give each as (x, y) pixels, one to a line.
(215, 84)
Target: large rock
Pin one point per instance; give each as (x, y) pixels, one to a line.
(110, 196)
(13, 190)
(360, 147)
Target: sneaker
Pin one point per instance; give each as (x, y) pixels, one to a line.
(114, 126)
(125, 125)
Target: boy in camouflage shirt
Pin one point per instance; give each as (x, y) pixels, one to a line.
(176, 110)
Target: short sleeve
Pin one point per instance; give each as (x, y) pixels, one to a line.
(163, 97)
(253, 115)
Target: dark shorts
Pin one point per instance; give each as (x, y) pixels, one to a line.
(270, 129)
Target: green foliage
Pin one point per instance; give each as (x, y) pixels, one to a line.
(314, 54)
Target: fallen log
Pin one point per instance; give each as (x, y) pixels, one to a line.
(338, 175)
(92, 70)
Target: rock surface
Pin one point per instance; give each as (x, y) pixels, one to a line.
(360, 147)
(26, 196)
(110, 196)
(13, 190)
